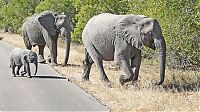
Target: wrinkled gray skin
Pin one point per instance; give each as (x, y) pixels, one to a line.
(20, 57)
(44, 28)
(120, 38)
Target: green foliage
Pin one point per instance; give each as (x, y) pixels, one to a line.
(88, 8)
(179, 20)
(13, 12)
(56, 6)
(183, 33)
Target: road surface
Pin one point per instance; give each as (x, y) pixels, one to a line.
(47, 91)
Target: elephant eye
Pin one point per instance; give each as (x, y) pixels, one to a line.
(61, 17)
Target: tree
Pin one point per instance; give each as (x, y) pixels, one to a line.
(14, 12)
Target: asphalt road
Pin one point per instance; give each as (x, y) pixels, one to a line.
(47, 91)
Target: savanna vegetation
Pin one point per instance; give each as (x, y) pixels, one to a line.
(180, 22)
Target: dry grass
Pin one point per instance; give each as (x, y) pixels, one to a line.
(178, 93)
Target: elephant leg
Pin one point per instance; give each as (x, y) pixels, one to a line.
(135, 64)
(27, 69)
(18, 68)
(87, 64)
(24, 71)
(99, 63)
(13, 70)
(49, 59)
(125, 65)
(48, 45)
(53, 51)
(104, 77)
(41, 54)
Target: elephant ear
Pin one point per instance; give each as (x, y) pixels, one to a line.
(47, 20)
(130, 31)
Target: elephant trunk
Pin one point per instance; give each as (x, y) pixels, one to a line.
(67, 47)
(161, 46)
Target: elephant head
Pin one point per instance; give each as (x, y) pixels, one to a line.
(56, 24)
(139, 30)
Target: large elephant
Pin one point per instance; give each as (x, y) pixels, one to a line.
(120, 38)
(44, 28)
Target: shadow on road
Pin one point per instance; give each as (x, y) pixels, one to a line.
(48, 77)
(1, 38)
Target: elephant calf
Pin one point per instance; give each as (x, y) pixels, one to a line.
(19, 57)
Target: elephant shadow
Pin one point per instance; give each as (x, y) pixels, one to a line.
(173, 86)
(69, 65)
(186, 87)
(1, 38)
(48, 77)
(74, 65)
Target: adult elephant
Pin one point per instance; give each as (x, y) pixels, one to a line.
(120, 38)
(44, 28)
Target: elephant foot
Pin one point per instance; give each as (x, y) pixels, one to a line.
(135, 79)
(29, 76)
(85, 79)
(123, 79)
(106, 81)
(107, 84)
(41, 59)
(156, 83)
(23, 73)
(104, 78)
(53, 64)
(49, 59)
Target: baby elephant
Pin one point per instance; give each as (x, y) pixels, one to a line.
(19, 57)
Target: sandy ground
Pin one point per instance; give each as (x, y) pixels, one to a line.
(178, 93)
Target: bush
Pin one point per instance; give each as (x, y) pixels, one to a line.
(13, 13)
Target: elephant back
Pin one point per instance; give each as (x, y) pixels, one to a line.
(33, 31)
